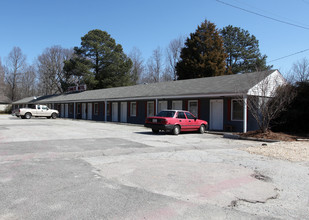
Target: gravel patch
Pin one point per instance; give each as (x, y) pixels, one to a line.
(292, 151)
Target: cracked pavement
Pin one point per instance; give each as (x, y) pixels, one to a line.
(68, 169)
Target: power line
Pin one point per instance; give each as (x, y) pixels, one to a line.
(288, 55)
(261, 15)
(272, 13)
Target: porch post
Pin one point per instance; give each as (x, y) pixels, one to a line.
(156, 109)
(245, 114)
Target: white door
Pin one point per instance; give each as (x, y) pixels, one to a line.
(115, 111)
(123, 112)
(216, 114)
(62, 111)
(177, 105)
(84, 116)
(66, 110)
(89, 111)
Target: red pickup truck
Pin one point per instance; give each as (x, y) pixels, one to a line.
(175, 121)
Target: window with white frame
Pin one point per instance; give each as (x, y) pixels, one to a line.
(177, 105)
(96, 108)
(237, 110)
(150, 109)
(162, 105)
(133, 109)
(193, 107)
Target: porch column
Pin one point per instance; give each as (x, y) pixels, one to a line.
(105, 111)
(245, 114)
(156, 109)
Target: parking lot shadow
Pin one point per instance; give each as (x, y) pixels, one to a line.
(151, 133)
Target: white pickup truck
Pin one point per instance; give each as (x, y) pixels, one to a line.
(37, 111)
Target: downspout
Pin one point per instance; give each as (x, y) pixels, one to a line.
(245, 114)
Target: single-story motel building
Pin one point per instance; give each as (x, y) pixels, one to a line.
(220, 100)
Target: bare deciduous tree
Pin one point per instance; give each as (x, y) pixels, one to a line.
(28, 83)
(154, 67)
(173, 55)
(2, 84)
(138, 65)
(16, 64)
(166, 75)
(300, 71)
(52, 78)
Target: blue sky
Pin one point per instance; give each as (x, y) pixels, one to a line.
(34, 25)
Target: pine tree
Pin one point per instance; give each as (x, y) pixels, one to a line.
(203, 54)
(243, 51)
(103, 62)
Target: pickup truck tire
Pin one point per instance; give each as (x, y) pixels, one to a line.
(54, 116)
(27, 115)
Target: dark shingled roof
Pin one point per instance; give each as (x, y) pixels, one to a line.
(228, 84)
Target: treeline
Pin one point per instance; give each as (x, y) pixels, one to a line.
(99, 62)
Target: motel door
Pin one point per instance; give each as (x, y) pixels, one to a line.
(115, 111)
(216, 114)
(89, 111)
(123, 112)
(84, 115)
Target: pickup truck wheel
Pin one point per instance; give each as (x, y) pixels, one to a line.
(28, 115)
(176, 130)
(202, 129)
(54, 116)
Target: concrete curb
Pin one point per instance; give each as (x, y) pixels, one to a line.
(238, 137)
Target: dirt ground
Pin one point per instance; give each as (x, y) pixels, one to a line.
(280, 136)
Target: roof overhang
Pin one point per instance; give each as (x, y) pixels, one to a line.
(149, 98)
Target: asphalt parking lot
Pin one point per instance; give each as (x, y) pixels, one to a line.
(74, 169)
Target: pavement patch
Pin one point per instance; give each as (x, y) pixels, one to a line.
(198, 182)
